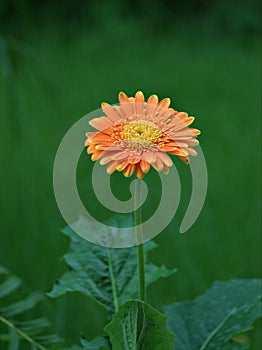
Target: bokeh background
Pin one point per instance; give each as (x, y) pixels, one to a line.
(59, 61)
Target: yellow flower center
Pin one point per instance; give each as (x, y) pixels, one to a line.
(140, 134)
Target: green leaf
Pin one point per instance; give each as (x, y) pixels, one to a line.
(14, 340)
(22, 305)
(89, 271)
(9, 285)
(211, 320)
(137, 325)
(33, 325)
(21, 330)
(99, 343)
(48, 339)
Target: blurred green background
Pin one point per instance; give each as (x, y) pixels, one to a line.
(59, 61)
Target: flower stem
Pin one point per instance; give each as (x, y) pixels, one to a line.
(140, 246)
(112, 278)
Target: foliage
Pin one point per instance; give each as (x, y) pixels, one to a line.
(18, 327)
(99, 343)
(211, 320)
(89, 271)
(137, 325)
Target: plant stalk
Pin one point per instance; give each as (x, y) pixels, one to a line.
(140, 246)
(112, 278)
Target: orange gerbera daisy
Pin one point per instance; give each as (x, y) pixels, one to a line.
(137, 134)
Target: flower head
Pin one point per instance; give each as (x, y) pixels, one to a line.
(137, 134)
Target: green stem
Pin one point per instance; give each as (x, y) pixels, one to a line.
(140, 246)
(112, 278)
(21, 333)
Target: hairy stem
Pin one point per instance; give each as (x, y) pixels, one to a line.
(140, 246)
(112, 278)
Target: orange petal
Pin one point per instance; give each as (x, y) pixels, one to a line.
(172, 126)
(153, 99)
(111, 168)
(168, 148)
(122, 165)
(110, 112)
(172, 111)
(122, 97)
(192, 142)
(164, 103)
(106, 146)
(129, 170)
(149, 157)
(181, 144)
(181, 115)
(185, 132)
(139, 97)
(139, 105)
(101, 138)
(158, 165)
(97, 155)
(184, 159)
(164, 158)
(87, 142)
(139, 172)
(134, 160)
(91, 134)
(106, 160)
(91, 149)
(145, 166)
(127, 109)
(119, 155)
(195, 132)
(181, 152)
(191, 151)
(101, 123)
(165, 169)
(165, 117)
(178, 124)
(150, 109)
